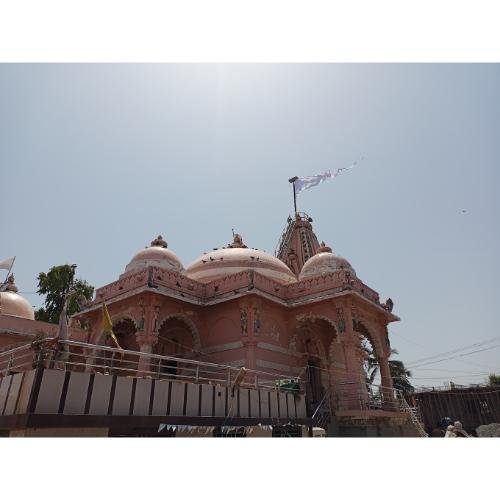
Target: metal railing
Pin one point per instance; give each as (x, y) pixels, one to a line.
(79, 356)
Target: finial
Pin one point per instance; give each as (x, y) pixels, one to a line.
(237, 242)
(324, 249)
(10, 285)
(159, 242)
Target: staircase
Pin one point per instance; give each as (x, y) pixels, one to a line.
(412, 412)
(322, 415)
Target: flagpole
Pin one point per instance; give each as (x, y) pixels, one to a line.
(292, 181)
(10, 269)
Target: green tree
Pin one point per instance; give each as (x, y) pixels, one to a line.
(399, 374)
(494, 379)
(55, 285)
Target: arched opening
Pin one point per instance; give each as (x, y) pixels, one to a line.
(367, 354)
(310, 344)
(175, 338)
(124, 330)
(369, 366)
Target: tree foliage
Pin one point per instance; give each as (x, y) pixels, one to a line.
(399, 374)
(494, 379)
(55, 284)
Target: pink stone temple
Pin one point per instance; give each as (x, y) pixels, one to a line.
(239, 342)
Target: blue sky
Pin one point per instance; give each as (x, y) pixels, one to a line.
(96, 160)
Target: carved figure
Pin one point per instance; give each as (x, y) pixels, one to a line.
(256, 320)
(340, 321)
(155, 318)
(243, 321)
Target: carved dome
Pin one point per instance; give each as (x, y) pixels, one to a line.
(325, 262)
(237, 257)
(13, 304)
(157, 255)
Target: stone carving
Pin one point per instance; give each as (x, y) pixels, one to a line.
(244, 321)
(256, 320)
(9, 285)
(237, 242)
(159, 242)
(340, 321)
(156, 313)
(140, 323)
(273, 333)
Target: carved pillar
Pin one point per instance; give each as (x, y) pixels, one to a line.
(95, 337)
(386, 381)
(146, 341)
(148, 338)
(355, 383)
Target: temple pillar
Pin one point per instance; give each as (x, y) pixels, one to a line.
(147, 338)
(351, 343)
(386, 382)
(94, 337)
(146, 341)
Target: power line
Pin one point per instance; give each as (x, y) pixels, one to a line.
(453, 357)
(453, 351)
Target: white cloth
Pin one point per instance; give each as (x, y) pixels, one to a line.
(7, 263)
(303, 183)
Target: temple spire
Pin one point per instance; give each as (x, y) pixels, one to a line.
(297, 243)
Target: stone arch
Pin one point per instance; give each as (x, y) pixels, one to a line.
(314, 317)
(313, 360)
(292, 345)
(189, 324)
(364, 329)
(122, 317)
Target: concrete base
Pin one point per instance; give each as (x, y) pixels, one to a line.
(61, 432)
(380, 430)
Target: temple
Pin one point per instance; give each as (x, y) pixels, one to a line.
(239, 339)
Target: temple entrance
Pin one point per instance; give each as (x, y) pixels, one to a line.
(314, 386)
(174, 339)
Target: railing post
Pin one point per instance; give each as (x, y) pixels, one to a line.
(197, 376)
(229, 377)
(256, 381)
(111, 362)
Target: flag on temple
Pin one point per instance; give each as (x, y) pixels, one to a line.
(303, 183)
(7, 263)
(107, 325)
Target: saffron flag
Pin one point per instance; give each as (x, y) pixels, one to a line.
(303, 183)
(7, 263)
(107, 325)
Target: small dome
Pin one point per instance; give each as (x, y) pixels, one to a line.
(237, 257)
(13, 304)
(325, 262)
(157, 255)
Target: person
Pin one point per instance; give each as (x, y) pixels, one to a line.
(458, 429)
(450, 432)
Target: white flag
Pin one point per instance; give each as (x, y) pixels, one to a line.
(7, 263)
(303, 183)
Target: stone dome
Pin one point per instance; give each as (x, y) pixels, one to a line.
(13, 304)
(237, 257)
(157, 255)
(325, 262)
